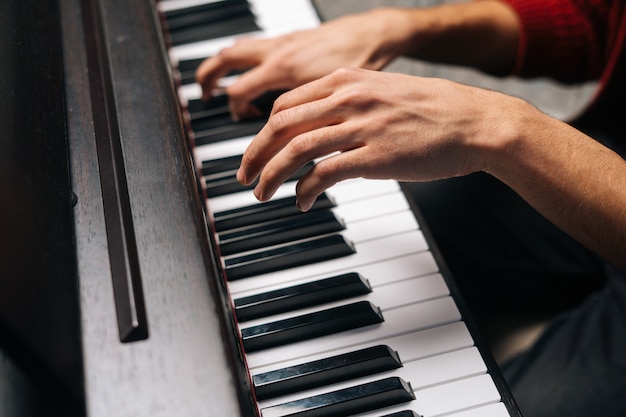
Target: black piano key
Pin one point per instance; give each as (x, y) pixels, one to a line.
(310, 326)
(405, 413)
(265, 101)
(216, 166)
(226, 182)
(205, 114)
(281, 231)
(227, 131)
(262, 212)
(224, 170)
(230, 27)
(217, 187)
(348, 401)
(300, 296)
(212, 122)
(190, 64)
(187, 69)
(174, 13)
(287, 256)
(210, 119)
(200, 108)
(204, 14)
(208, 21)
(323, 372)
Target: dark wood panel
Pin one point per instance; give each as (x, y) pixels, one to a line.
(189, 363)
(39, 316)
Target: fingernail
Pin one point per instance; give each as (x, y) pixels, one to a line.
(258, 195)
(302, 207)
(233, 113)
(240, 176)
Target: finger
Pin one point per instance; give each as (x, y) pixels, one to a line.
(328, 172)
(243, 54)
(208, 74)
(251, 85)
(278, 131)
(304, 148)
(314, 90)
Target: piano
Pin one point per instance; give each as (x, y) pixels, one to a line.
(138, 279)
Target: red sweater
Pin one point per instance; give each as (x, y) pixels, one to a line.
(577, 40)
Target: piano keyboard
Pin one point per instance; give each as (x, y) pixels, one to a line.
(341, 310)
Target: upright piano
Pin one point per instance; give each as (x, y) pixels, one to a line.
(139, 279)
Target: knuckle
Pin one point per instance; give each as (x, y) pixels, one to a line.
(248, 159)
(300, 145)
(224, 54)
(345, 73)
(325, 172)
(280, 104)
(278, 123)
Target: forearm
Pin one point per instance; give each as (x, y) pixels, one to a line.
(482, 34)
(574, 181)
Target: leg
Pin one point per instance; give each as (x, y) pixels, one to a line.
(501, 252)
(507, 258)
(578, 366)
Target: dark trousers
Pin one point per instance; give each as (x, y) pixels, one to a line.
(508, 259)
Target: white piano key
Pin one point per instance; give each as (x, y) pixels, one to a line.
(189, 92)
(224, 149)
(386, 297)
(410, 346)
(349, 190)
(220, 150)
(457, 396)
(452, 399)
(408, 266)
(168, 5)
(273, 19)
(369, 252)
(376, 217)
(374, 207)
(364, 230)
(277, 18)
(409, 291)
(246, 198)
(420, 374)
(358, 188)
(193, 91)
(399, 268)
(490, 410)
(398, 321)
(207, 48)
(342, 193)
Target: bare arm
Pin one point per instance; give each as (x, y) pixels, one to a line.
(382, 125)
(571, 179)
(480, 33)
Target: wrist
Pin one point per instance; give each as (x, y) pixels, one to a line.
(509, 137)
(394, 30)
(481, 34)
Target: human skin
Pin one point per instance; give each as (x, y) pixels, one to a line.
(381, 125)
(374, 124)
(481, 34)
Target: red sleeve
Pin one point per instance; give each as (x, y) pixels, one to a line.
(568, 40)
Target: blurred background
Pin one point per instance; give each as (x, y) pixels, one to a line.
(555, 99)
